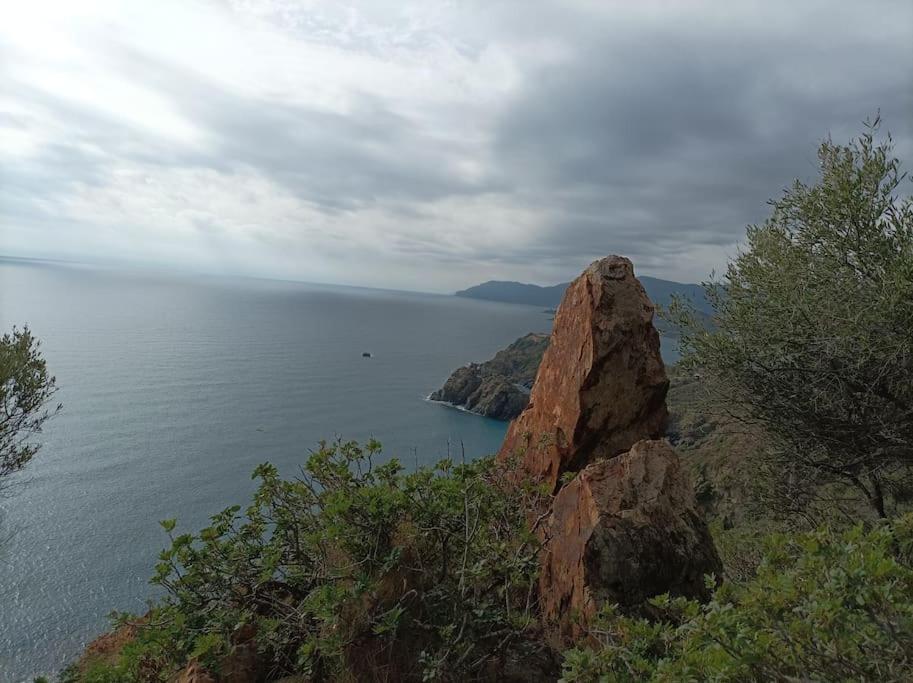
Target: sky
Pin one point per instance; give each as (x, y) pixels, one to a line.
(427, 145)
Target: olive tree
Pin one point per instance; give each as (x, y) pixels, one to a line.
(812, 337)
(26, 388)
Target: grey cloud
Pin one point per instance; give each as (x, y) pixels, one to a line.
(653, 144)
(647, 137)
(92, 142)
(336, 161)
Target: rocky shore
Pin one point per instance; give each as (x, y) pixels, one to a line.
(498, 388)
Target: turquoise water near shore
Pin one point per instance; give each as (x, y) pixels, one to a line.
(175, 387)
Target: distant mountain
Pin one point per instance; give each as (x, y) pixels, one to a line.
(659, 291)
(516, 293)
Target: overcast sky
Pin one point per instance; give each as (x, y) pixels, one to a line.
(427, 145)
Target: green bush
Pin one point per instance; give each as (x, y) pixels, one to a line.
(26, 388)
(812, 339)
(352, 567)
(823, 606)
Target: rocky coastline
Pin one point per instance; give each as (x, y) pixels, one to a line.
(497, 388)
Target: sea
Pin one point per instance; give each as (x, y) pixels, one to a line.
(175, 386)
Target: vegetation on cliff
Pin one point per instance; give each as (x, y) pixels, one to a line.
(798, 396)
(822, 606)
(351, 571)
(26, 387)
(431, 576)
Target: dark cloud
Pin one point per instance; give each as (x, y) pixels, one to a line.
(656, 130)
(663, 141)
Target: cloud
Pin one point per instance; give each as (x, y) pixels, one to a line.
(427, 145)
(670, 138)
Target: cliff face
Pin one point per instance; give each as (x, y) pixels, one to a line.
(623, 525)
(602, 384)
(497, 388)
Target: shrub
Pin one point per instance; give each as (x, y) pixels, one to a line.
(823, 606)
(352, 570)
(25, 390)
(813, 330)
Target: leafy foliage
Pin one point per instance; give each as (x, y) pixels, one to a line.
(813, 334)
(25, 389)
(359, 571)
(352, 569)
(824, 606)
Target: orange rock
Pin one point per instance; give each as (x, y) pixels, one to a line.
(626, 527)
(602, 384)
(243, 664)
(624, 530)
(108, 646)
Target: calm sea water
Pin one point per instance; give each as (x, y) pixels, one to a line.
(174, 388)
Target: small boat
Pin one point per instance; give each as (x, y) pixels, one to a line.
(366, 354)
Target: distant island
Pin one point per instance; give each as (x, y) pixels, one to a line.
(659, 291)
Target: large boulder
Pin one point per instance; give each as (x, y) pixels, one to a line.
(624, 530)
(601, 386)
(623, 525)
